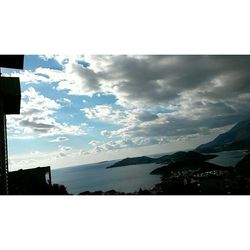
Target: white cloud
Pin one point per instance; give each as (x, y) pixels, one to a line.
(106, 133)
(117, 145)
(105, 113)
(94, 143)
(64, 101)
(39, 75)
(158, 97)
(60, 139)
(64, 148)
(119, 115)
(37, 117)
(64, 155)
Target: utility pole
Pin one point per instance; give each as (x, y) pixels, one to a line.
(10, 99)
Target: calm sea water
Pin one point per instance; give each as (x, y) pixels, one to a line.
(94, 177)
(228, 158)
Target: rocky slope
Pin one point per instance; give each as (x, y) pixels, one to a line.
(237, 138)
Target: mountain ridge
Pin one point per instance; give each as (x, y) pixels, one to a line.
(237, 138)
(133, 161)
(176, 157)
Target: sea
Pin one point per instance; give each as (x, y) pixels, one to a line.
(228, 158)
(95, 177)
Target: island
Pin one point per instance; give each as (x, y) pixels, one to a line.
(133, 161)
(178, 156)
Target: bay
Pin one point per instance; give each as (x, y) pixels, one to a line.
(228, 158)
(95, 177)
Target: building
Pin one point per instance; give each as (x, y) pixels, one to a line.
(30, 181)
(10, 98)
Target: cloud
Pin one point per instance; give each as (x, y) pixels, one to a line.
(105, 113)
(173, 127)
(106, 133)
(147, 116)
(157, 96)
(147, 79)
(63, 151)
(64, 148)
(119, 115)
(93, 143)
(37, 117)
(64, 101)
(39, 75)
(117, 145)
(60, 139)
(161, 79)
(109, 146)
(53, 158)
(166, 98)
(74, 77)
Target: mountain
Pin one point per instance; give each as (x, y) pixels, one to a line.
(182, 156)
(237, 138)
(243, 166)
(133, 161)
(176, 157)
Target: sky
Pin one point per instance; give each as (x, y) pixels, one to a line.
(88, 108)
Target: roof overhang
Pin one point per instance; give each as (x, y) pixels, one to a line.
(10, 92)
(11, 61)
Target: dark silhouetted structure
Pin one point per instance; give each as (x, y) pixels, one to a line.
(11, 61)
(30, 181)
(34, 181)
(10, 98)
(10, 95)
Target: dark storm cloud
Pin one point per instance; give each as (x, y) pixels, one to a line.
(183, 126)
(214, 85)
(89, 77)
(214, 109)
(39, 127)
(159, 79)
(147, 116)
(201, 92)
